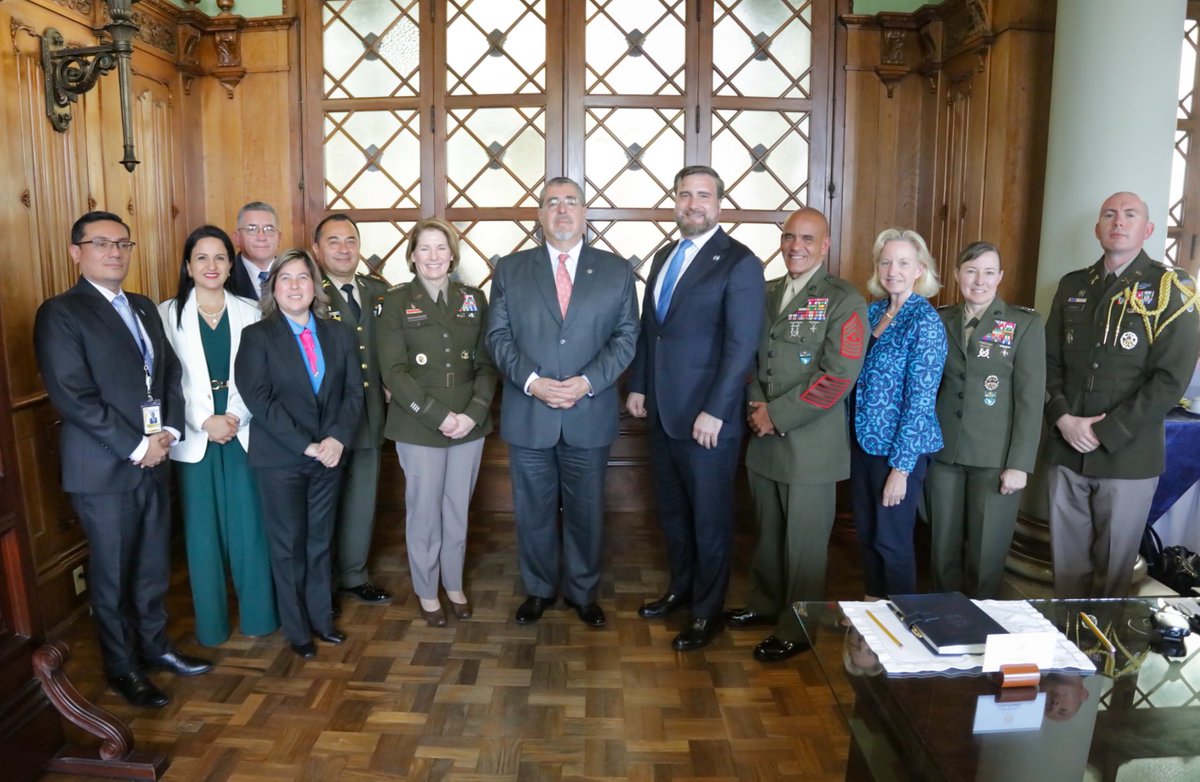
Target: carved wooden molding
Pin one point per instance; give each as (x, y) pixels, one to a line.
(115, 756)
(83, 7)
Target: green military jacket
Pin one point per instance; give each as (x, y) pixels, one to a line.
(809, 356)
(989, 403)
(434, 362)
(369, 291)
(1126, 350)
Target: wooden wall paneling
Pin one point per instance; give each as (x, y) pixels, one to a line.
(153, 217)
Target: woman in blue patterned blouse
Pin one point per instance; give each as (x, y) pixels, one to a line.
(894, 420)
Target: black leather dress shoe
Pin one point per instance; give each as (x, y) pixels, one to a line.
(774, 650)
(366, 592)
(138, 690)
(334, 637)
(533, 607)
(177, 663)
(589, 613)
(307, 650)
(697, 635)
(664, 606)
(744, 617)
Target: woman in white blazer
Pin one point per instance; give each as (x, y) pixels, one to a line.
(221, 513)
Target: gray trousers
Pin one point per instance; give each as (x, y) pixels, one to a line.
(1096, 525)
(438, 483)
(794, 522)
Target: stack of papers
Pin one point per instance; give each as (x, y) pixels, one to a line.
(914, 658)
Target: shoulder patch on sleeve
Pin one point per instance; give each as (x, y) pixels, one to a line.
(851, 345)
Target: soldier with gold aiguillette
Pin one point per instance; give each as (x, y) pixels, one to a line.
(1121, 345)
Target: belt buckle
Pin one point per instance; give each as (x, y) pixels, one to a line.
(217, 385)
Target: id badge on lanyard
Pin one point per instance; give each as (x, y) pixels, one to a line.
(151, 408)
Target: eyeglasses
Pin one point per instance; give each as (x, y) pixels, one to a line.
(103, 244)
(552, 203)
(253, 229)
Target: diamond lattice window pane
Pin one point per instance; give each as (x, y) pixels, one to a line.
(634, 240)
(497, 47)
(622, 175)
(371, 48)
(1187, 67)
(763, 49)
(482, 243)
(372, 160)
(385, 241)
(495, 157)
(773, 142)
(635, 47)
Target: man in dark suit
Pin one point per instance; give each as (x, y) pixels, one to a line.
(354, 299)
(563, 326)
(700, 322)
(258, 244)
(113, 377)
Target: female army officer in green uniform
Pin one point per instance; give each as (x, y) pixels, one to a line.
(990, 409)
(433, 361)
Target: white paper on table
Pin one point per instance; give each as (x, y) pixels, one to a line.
(1019, 648)
(914, 658)
(991, 716)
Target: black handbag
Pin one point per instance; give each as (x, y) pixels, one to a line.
(1174, 566)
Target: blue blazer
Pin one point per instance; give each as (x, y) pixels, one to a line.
(896, 395)
(701, 358)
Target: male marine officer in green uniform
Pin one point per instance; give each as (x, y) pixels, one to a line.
(354, 299)
(809, 355)
(1121, 345)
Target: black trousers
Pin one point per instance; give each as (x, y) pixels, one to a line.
(129, 567)
(885, 535)
(693, 489)
(299, 506)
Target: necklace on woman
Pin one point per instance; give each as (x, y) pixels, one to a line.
(211, 315)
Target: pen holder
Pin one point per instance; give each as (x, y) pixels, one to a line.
(1019, 675)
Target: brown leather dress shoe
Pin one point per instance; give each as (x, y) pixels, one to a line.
(433, 618)
(461, 610)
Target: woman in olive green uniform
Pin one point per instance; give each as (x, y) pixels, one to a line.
(433, 361)
(990, 409)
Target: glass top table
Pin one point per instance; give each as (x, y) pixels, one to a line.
(1137, 718)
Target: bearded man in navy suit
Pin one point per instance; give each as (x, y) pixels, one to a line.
(111, 374)
(561, 329)
(701, 317)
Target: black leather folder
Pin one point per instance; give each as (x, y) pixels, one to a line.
(946, 622)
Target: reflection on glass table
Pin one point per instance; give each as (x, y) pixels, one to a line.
(1138, 718)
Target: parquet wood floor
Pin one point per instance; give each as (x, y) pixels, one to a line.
(486, 699)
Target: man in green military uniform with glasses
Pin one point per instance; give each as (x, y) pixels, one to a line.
(1121, 346)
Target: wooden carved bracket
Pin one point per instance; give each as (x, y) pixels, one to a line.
(115, 757)
(893, 55)
(227, 35)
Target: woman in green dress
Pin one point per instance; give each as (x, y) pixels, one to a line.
(222, 522)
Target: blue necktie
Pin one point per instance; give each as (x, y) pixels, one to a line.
(672, 277)
(123, 309)
(262, 278)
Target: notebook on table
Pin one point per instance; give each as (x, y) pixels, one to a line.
(946, 622)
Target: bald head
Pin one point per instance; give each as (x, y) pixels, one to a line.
(804, 242)
(1123, 227)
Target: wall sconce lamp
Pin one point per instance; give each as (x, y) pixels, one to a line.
(72, 72)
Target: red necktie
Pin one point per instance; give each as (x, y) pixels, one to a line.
(310, 350)
(562, 283)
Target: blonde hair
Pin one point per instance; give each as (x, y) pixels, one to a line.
(432, 224)
(927, 285)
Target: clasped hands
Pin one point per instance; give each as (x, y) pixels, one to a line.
(457, 425)
(221, 428)
(160, 447)
(560, 394)
(1077, 431)
(328, 452)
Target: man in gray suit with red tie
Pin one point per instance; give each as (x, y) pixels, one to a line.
(112, 376)
(701, 317)
(562, 327)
